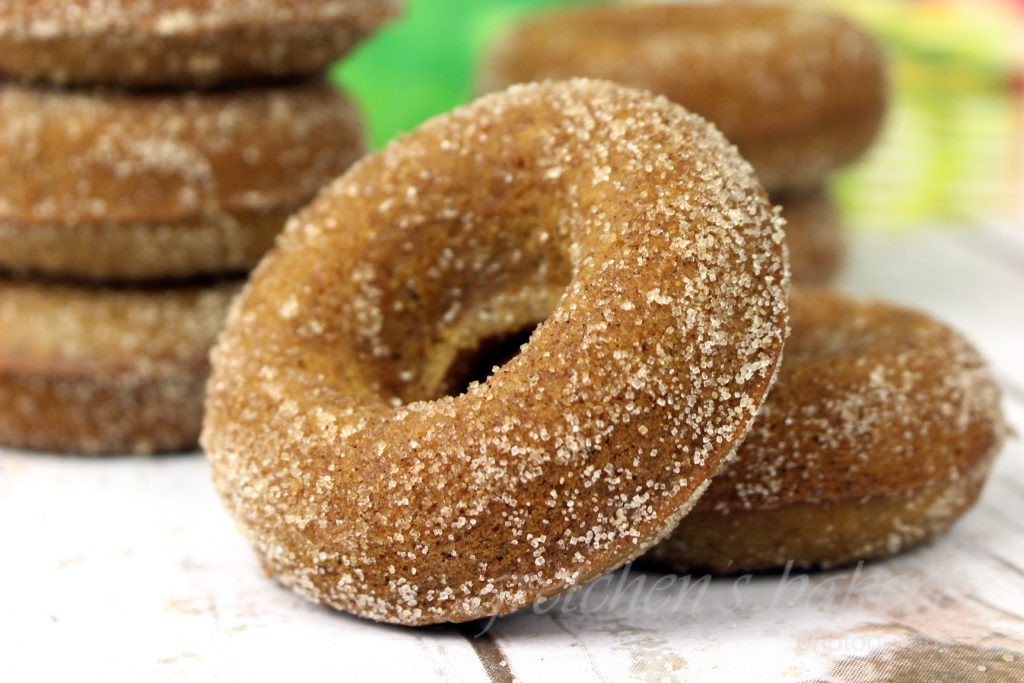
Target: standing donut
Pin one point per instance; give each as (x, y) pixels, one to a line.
(646, 250)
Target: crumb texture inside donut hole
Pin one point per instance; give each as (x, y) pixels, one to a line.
(638, 237)
(480, 362)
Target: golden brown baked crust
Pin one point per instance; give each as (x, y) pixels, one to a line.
(228, 243)
(652, 246)
(814, 235)
(800, 92)
(111, 185)
(105, 370)
(878, 435)
(193, 43)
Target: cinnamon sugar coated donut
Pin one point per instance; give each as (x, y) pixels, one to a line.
(103, 184)
(878, 435)
(190, 43)
(646, 250)
(814, 235)
(800, 92)
(105, 370)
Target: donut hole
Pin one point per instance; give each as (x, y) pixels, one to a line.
(477, 364)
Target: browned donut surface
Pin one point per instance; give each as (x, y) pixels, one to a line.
(111, 185)
(878, 434)
(180, 42)
(814, 235)
(800, 92)
(105, 370)
(637, 238)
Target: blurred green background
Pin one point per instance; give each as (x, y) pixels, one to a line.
(953, 145)
(424, 64)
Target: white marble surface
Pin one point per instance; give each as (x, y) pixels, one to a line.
(128, 569)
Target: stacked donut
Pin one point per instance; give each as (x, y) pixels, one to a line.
(800, 93)
(150, 153)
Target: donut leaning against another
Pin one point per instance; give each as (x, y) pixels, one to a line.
(878, 435)
(646, 250)
(195, 43)
(96, 370)
(800, 92)
(112, 185)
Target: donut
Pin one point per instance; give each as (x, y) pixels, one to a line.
(190, 43)
(878, 435)
(814, 235)
(110, 185)
(632, 240)
(800, 92)
(95, 370)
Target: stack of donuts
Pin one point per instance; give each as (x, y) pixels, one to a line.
(150, 152)
(800, 93)
(553, 331)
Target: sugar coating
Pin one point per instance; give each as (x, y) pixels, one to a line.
(180, 43)
(627, 227)
(89, 176)
(228, 243)
(801, 92)
(878, 434)
(56, 17)
(105, 370)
